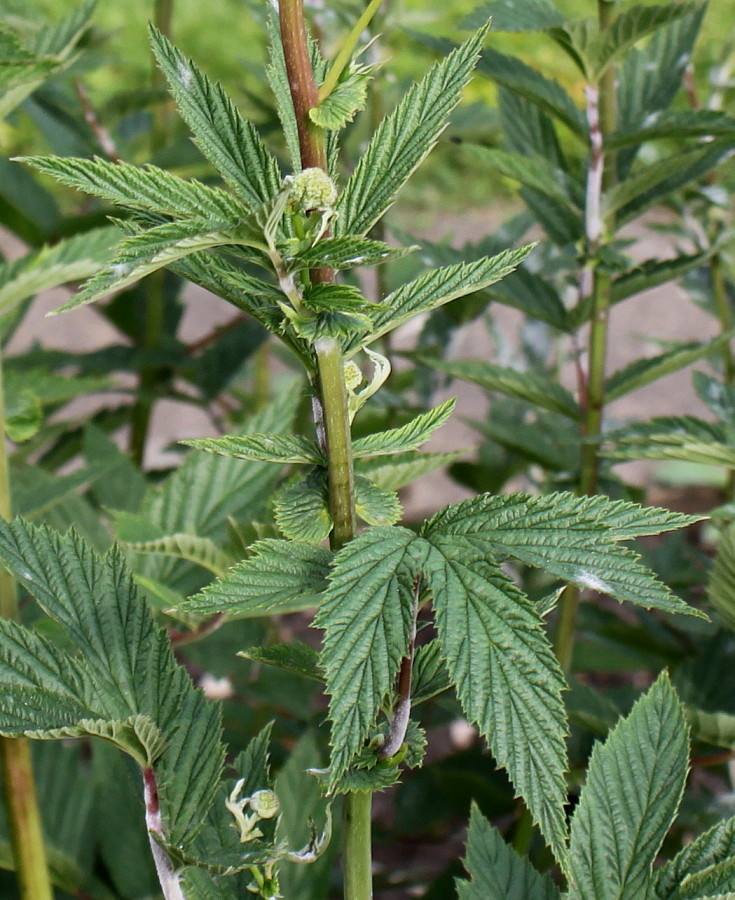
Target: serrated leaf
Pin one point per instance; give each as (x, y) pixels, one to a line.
(366, 615)
(507, 677)
(429, 676)
(533, 172)
(196, 549)
(23, 415)
(278, 577)
(69, 260)
(146, 252)
(553, 532)
(229, 142)
(692, 123)
(262, 447)
(716, 728)
(140, 187)
(341, 105)
(644, 371)
(394, 474)
(529, 386)
(545, 93)
(497, 871)
(510, 15)
(296, 657)
(345, 253)
(438, 287)
(699, 858)
(721, 588)
(404, 139)
(277, 75)
(407, 437)
(634, 785)
(376, 505)
(301, 510)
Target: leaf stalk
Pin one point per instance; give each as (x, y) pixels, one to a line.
(342, 59)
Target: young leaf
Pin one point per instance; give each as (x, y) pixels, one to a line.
(506, 677)
(262, 447)
(278, 79)
(404, 139)
(301, 510)
(394, 474)
(374, 504)
(529, 386)
(634, 785)
(366, 616)
(345, 253)
(708, 858)
(279, 576)
(429, 674)
(439, 287)
(497, 871)
(408, 437)
(140, 187)
(230, 142)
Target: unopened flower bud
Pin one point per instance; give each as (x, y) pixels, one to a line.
(265, 804)
(312, 189)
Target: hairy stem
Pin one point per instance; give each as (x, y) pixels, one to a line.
(595, 282)
(330, 415)
(26, 833)
(168, 878)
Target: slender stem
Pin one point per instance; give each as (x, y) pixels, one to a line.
(26, 832)
(401, 715)
(595, 282)
(168, 878)
(345, 54)
(331, 417)
(357, 853)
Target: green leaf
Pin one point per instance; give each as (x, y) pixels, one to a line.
(510, 15)
(644, 371)
(23, 415)
(69, 260)
(296, 657)
(531, 171)
(429, 676)
(680, 879)
(228, 141)
(262, 447)
(366, 615)
(721, 588)
(407, 437)
(376, 505)
(497, 871)
(439, 287)
(347, 99)
(560, 534)
(394, 474)
(716, 728)
(148, 251)
(404, 139)
(277, 75)
(345, 253)
(507, 677)
(676, 125)
(301, 510)
(634, 785)
(199, 550)
(545, 93)
(140, 187)
(641, 190)
(529, 386)
(279, 577)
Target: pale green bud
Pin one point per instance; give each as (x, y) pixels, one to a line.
(312, 189)
(265, 804)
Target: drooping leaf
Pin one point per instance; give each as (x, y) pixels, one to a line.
(230, 142)
(296, 657)
(527, 386)
(407, 437)
(506, 677)
(633, 789)
(278, 577)
(200, 550)
(497, 871)
(366, 616)
(404, 139)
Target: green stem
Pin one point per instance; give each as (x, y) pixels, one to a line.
(357, 855)
(331, 416)
(601, 118)
(342, 59)
(154, 285)
(26, 833)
